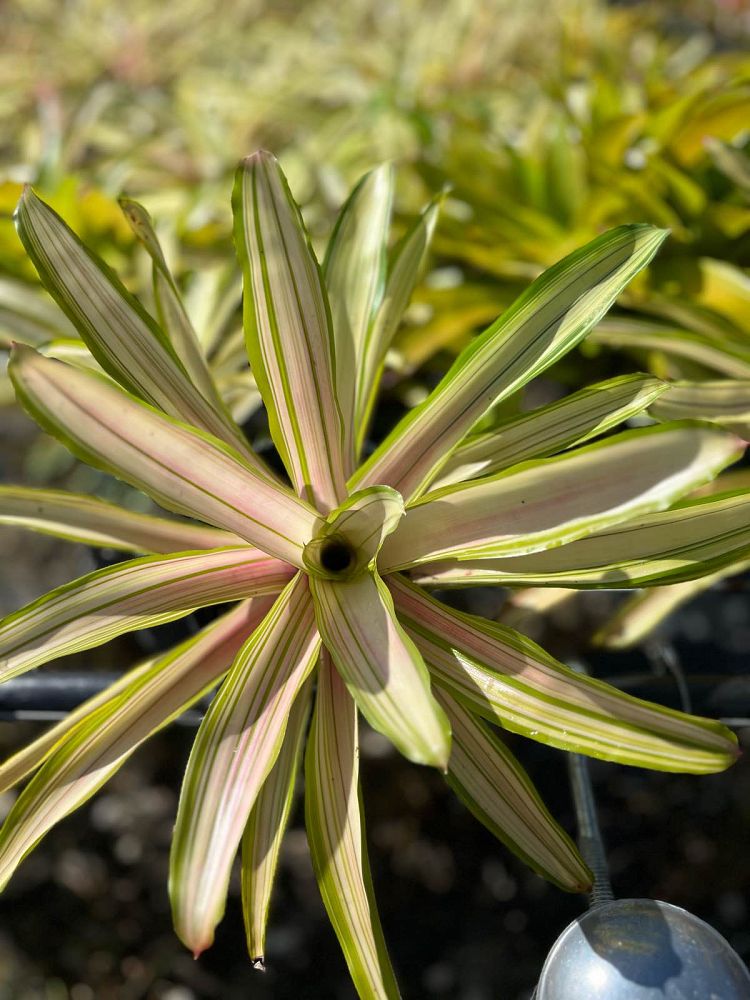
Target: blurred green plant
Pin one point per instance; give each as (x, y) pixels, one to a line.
(330, 572)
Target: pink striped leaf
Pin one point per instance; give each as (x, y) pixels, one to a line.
(181, 468)
(550, 318)
(508, 679)
(124, 339)
(335, 831)
(26, 760)
(354, 270)
(139, 593)
(407, 263)
(234, 751)
(492, 784)
(173, 316)
(547, 430)
(381, 666)
(101, 742)
(688, 541)
(288, 331)
(264, 833)
(77, 517)
(550, 502)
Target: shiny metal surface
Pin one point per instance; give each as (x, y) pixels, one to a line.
(642, 949)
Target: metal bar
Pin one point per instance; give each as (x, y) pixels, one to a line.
(590, 840)
(48, 697)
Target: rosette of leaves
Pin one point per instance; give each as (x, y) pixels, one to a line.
(325, 568)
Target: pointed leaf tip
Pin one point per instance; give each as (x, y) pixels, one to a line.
(258, 963)
(25, 191)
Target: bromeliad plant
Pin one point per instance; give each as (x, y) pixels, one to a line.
(330, 615)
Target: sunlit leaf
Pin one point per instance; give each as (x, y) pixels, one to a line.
(123, 338)
(492, 784)
(550, 318)
(101, 742)
(181, 468)
(403, 275)
(382, 668)
(354, 270)
(139, 593)
(725, 402)
(261, 841)
(288, 331)
(335, 831)
(234, 751)
(547, 503)
(81, 518)
(572, 420)
(693, 539)
(508, 679)
(172, 313)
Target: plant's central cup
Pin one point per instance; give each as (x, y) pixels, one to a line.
(347, 543)
(336, 555)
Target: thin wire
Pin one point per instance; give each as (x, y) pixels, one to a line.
(663, 657)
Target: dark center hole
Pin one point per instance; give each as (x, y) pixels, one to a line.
(336, 556)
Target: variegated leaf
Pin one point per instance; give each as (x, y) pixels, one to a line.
(690, 540)
(354, 270)
(549, 429)
(553, 501)
(492, 784)
(508, 679)
(640, 615)
(181, 468)
(408, 261)
(101, 742)
(136, 594)
(26, 760)
(381, 666)
(233, 753)
(335, 832)
(725, 402)
(77, 517)
(549, 319)
(172, 313)
(722, 356)
(121, 335)
(288, 331)
(261, 841)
